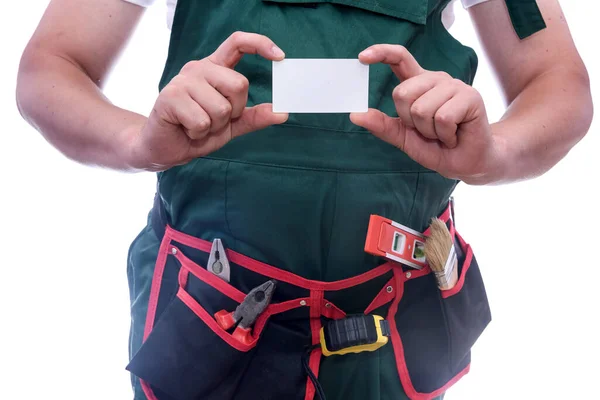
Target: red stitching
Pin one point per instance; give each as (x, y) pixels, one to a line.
(147, 390)
(159, 269)
(273, 309)
(383, 297)
(183, 277)
(399, 352)
(279, 274)
(417, 273)
(285, 276)
(209, 278)
(211, 323)
(189, 240)
(445, 217)
(332, 311)
(316, 299)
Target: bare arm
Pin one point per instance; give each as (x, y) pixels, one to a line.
(61, 74)
(442, 122)
(546, 86)
(199, 111)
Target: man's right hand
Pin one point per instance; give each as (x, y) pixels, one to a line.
(200, 110)
(204, 107)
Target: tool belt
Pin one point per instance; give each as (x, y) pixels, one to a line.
(188, 355)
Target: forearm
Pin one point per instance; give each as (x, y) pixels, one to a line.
(549, 116)
(62, 102)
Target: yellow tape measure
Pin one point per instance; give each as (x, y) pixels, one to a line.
(354, 334)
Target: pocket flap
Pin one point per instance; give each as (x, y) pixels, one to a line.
(411, 10)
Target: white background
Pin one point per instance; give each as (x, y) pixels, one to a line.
(65, 230)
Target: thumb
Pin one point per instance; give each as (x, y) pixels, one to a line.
(389, 129)
(256, 118)
(424, 151)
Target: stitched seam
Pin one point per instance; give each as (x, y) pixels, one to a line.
(211, 323)
(372, 6)
(412, 207)
(387, 8)
(277, 273)
(297, 167)
(320, 128)
(332, 226)
(208, 278)
(226, 209)
(447, 326)
(156, 284)
(176, 181)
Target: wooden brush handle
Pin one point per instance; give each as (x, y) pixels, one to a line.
(453, 278)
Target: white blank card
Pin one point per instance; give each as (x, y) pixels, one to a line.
(314, 85)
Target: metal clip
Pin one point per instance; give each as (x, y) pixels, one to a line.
(218, 263)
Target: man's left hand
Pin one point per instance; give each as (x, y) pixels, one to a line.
(442, 123)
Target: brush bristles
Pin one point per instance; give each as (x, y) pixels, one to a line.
(438, 245)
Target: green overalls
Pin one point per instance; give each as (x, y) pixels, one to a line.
(292, 203)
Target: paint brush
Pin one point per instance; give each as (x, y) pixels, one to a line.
(441, 255)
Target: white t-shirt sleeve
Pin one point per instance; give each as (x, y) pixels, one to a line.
(471, 3)
(171, 4)
(448, 16)
(143, 3)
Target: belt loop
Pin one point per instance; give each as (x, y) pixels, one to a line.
(315, 304)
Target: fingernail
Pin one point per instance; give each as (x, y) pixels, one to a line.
(355, 117)
(280, 118)
(277, 52)
(366, 53)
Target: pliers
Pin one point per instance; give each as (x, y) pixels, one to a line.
(245, 315)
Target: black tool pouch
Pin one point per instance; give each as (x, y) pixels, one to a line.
(186, 355)
(437, 329)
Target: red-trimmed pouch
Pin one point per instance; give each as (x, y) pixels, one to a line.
(433, 331)
(186, 354)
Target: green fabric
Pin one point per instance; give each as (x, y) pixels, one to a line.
(415, 11)
(140, 268)
(299, 196)
(526, 17)
(316, 179)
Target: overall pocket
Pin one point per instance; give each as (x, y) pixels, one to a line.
(437, 329)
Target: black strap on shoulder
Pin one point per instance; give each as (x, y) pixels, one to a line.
(526, 17)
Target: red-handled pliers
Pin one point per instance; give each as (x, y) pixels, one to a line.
(247, 312)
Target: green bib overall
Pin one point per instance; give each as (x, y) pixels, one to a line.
(298, 197)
